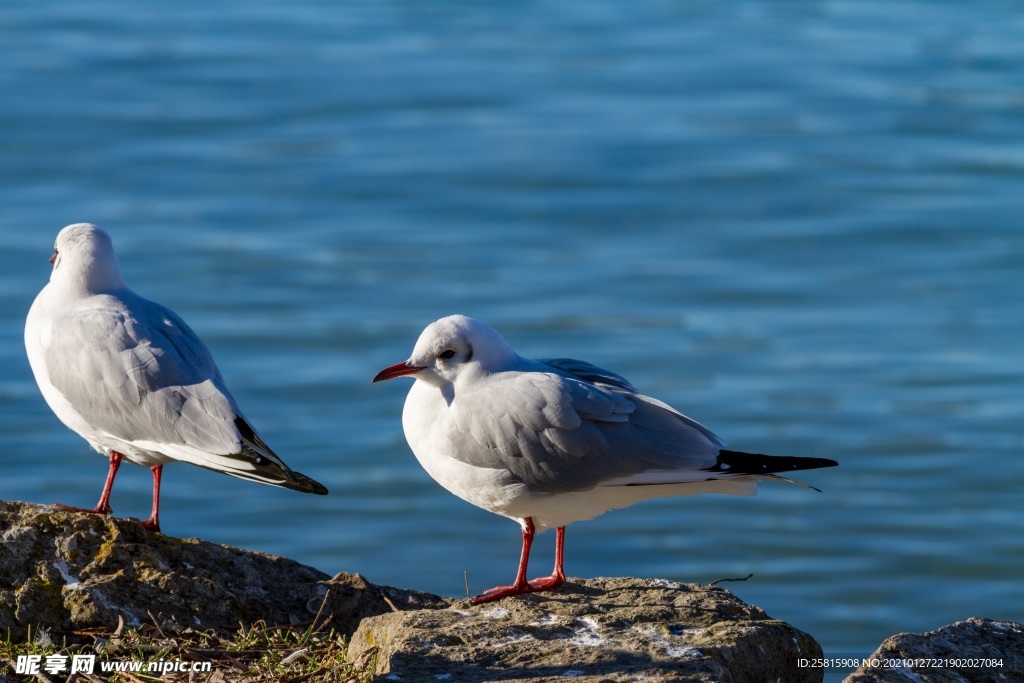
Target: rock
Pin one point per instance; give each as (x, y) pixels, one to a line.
(972, 646)
(73, 571)
(589, 630)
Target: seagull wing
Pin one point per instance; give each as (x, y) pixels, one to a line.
(588, 372)
(574, 427)
(135, 371)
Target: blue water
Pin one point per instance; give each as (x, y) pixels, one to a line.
(799, 222)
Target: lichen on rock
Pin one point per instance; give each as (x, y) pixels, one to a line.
(67, 570)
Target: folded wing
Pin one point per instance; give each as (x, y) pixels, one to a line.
(570, 426)
(135, 371)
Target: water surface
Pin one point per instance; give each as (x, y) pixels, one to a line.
(796, 221)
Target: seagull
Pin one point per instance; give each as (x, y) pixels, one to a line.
(133, 380)
(553, 441)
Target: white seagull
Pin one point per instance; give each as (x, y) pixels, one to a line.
(554, 441)
(132, 379)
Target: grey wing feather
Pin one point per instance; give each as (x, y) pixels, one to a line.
(137, 372)
(581, 369)
(666, 420)
(149, 379)
(560, 432)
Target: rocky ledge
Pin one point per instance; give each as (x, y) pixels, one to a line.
(72, 572)
(67, 571)
(591, 630)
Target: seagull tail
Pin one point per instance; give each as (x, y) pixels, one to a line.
(737, 463)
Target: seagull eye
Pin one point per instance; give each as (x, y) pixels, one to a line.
(446, 354)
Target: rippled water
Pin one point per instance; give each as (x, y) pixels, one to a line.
(798, 222)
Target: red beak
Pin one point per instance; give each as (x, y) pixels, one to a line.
(53, 258)
(397, 370)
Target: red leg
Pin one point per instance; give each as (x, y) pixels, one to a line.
(521, 585)
(153, 523)
(557, 577)
(102, 507)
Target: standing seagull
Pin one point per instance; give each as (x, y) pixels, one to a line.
(132, 379)
(555, 441)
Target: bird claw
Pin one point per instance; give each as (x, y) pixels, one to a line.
(547, 583)
(535, 586)
(499, 592)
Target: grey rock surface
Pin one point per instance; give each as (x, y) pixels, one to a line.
(964, 652)
(618, 629)
(70, 571)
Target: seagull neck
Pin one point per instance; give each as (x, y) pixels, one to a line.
(90, 276)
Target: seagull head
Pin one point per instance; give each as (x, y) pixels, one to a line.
(451, 347)
(83, 256)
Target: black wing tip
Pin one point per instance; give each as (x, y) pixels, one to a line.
(307, 485)
(298, 481)
(738, 462)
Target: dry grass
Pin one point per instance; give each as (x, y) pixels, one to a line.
(255, 654)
